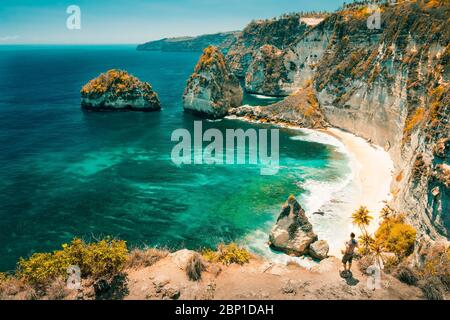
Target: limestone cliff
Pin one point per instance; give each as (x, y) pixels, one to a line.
(118, 90)
(212, 89)
(278, 32)
(389, 85)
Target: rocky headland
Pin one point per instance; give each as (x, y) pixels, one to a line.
(117, 90)
(222, 40)
(212, 89)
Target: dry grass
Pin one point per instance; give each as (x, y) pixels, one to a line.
(194, 267)
(57, 290)
(406, 275)
(13, 288)
(139, 258)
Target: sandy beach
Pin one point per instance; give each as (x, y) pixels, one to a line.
(372, 175)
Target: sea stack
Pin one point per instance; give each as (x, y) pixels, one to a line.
(293, 233)
(212, 89)
(117, 90)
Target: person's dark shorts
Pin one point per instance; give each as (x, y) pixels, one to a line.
(347, 258)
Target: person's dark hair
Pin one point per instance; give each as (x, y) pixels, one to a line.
(352, 235)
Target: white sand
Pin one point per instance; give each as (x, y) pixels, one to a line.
(373, 170)
(369, 185)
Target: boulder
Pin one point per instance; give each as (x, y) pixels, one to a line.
(319, 249)
(212, 89)
(292, 233)
(118, 90)
(182, 257)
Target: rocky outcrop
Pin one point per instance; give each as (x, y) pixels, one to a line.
(118, 90)
(222, 40)
(300, 109)
(212, 89)
(319, 250)
(293, 233)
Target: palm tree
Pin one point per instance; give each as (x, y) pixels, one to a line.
(386, 212)
(362, 218)
(377, 250)
(366, 240)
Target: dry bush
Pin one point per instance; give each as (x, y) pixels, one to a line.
(10, 287)
(57, 290)
(194, 267)
(407, 275)
(141, 258)
(432, 288)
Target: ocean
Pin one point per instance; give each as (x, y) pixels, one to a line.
(67, 173)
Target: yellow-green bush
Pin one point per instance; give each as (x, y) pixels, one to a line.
(396, 236)
(104, 258)
(437, 264)
(227, 254)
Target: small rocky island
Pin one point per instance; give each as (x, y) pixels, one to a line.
(294, 235)
(118, 90)
(212, 89)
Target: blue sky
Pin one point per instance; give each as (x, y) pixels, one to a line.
(137, 21)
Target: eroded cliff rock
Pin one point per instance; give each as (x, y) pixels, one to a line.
(391, 85)
(293, 233)
(388, 85)
(212, 89)
(269, 71)
(278, 32)
(118, 90)
(300, 108)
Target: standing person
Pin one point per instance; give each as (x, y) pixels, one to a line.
(349, 252)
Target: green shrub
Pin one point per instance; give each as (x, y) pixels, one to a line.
(104, 258)
(228, 254)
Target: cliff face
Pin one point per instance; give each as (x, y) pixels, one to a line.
(212, 89)
(221, 40)
(391, 86)
(279, 33)
(388, 85)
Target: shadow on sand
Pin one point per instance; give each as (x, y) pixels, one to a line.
(348, 277)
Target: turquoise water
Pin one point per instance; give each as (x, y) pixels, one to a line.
(67, 173)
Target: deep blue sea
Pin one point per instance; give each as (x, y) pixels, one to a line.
(66, 173)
